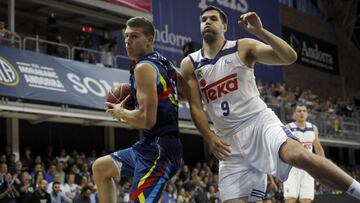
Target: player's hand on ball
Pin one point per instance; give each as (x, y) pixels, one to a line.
(117, 110)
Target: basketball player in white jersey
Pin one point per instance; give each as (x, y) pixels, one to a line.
(249, 139)
(300, 184)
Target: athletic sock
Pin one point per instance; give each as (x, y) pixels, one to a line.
(354, 189)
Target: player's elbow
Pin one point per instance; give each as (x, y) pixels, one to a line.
(149, 122)
(291, 57)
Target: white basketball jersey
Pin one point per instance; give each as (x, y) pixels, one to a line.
(228, 89)
(306, 136)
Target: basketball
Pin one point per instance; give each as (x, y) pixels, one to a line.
(118, 93)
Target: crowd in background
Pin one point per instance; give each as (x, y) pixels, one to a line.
(327, 114)
(64, 177)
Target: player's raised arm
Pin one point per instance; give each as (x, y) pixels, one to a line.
(275, 52)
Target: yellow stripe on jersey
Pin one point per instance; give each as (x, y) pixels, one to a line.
(171, 97)
(143, 179)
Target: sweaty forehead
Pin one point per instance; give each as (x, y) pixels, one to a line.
(133, 30)
(301, 108)
(210, 13)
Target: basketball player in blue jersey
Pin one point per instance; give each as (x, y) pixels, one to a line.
(300, 184)
(249, 139)
(152, 161)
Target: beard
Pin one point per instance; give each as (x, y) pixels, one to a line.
(209, 36)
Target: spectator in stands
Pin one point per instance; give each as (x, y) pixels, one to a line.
(11, 162)
(83, 183)
(25, 188)
(57, 196)
(169, 194)
(52, 35)
(3, 171)
(184, 173)
(93, 195)
(51, 172)
(3, 158)
(75, 170)
(108, 52)
(212, 194)
(8, 191)
(18, 168)
(90, 160)
(183, 196)
(71, 188)
(38, 160)
(49, 157)
(82, 55)
(27, 160)
(85, 171)
(38, 167)
(349, 108)
(200, 195)
(60, 51)
(40, 195)
(63, 157)
(84, 196)
(60, 170)
(5, 32)
(51, 184)
(124, 189)
(38, 177)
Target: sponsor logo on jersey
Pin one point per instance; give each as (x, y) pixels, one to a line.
(307, 145)
(219, 88)
(227, 61)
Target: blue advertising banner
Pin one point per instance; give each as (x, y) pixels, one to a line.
(39, 77)
(178, 22)
(35, 76)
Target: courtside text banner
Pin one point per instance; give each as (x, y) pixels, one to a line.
(39, 77)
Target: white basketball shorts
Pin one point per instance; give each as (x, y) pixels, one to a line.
(254, 154)
(300, 185)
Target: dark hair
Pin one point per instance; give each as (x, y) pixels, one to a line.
(300, 104)
(142, 22)
(223, 16)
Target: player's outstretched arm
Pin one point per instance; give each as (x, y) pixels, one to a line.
(145, 115)
(219, 148)
(277, 52)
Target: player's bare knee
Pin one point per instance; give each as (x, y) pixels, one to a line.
(102, 168)
(96, 168)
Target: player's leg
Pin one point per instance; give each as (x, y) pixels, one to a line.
(292, 186)
(326, 172)
(239, 181)
(104, 170)
(290, 200)
(307, 189)
(154, 167)
(107, 168)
